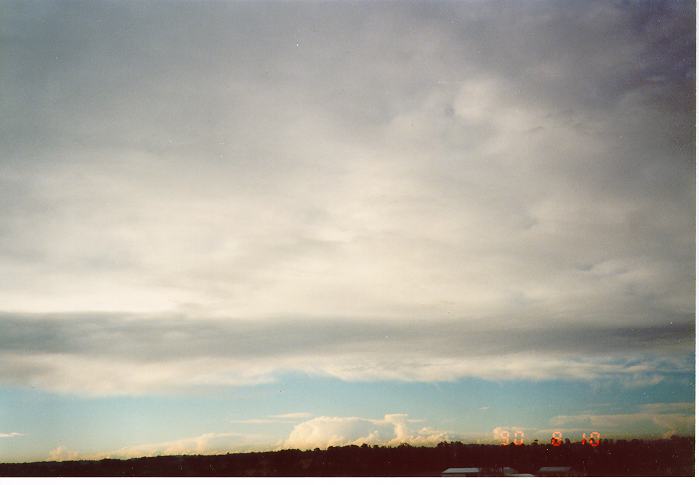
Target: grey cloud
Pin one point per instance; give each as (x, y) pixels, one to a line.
(173, 337)
(171, 353)
(350, 177)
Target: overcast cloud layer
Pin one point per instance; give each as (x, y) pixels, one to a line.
(217, 194)
(128, 355)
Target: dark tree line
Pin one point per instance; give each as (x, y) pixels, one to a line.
(611, 458)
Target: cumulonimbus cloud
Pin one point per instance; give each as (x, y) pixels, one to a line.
(392, 430)
(321, 432)
(652, 420)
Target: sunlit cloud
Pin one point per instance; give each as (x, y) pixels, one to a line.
(61, 453)
(293, 416)
(392, 430)
(657, 419)
(207, 443)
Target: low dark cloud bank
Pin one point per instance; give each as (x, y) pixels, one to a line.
(171, 353)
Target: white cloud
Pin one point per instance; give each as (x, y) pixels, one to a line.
(510, 432)
(658, 419)
(300, 415)
(392, 430)
(13, 434)
(668, 407)
(115, 376)
(254, 421)
(275, 418)
(62, 453)
(322, 432)
(207, 443)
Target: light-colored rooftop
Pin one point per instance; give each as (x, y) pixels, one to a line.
(554, 469)
(461, 471)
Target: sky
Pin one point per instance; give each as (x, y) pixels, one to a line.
(231, 226)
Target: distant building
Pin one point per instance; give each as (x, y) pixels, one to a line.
(555, 471)
(461, 472)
